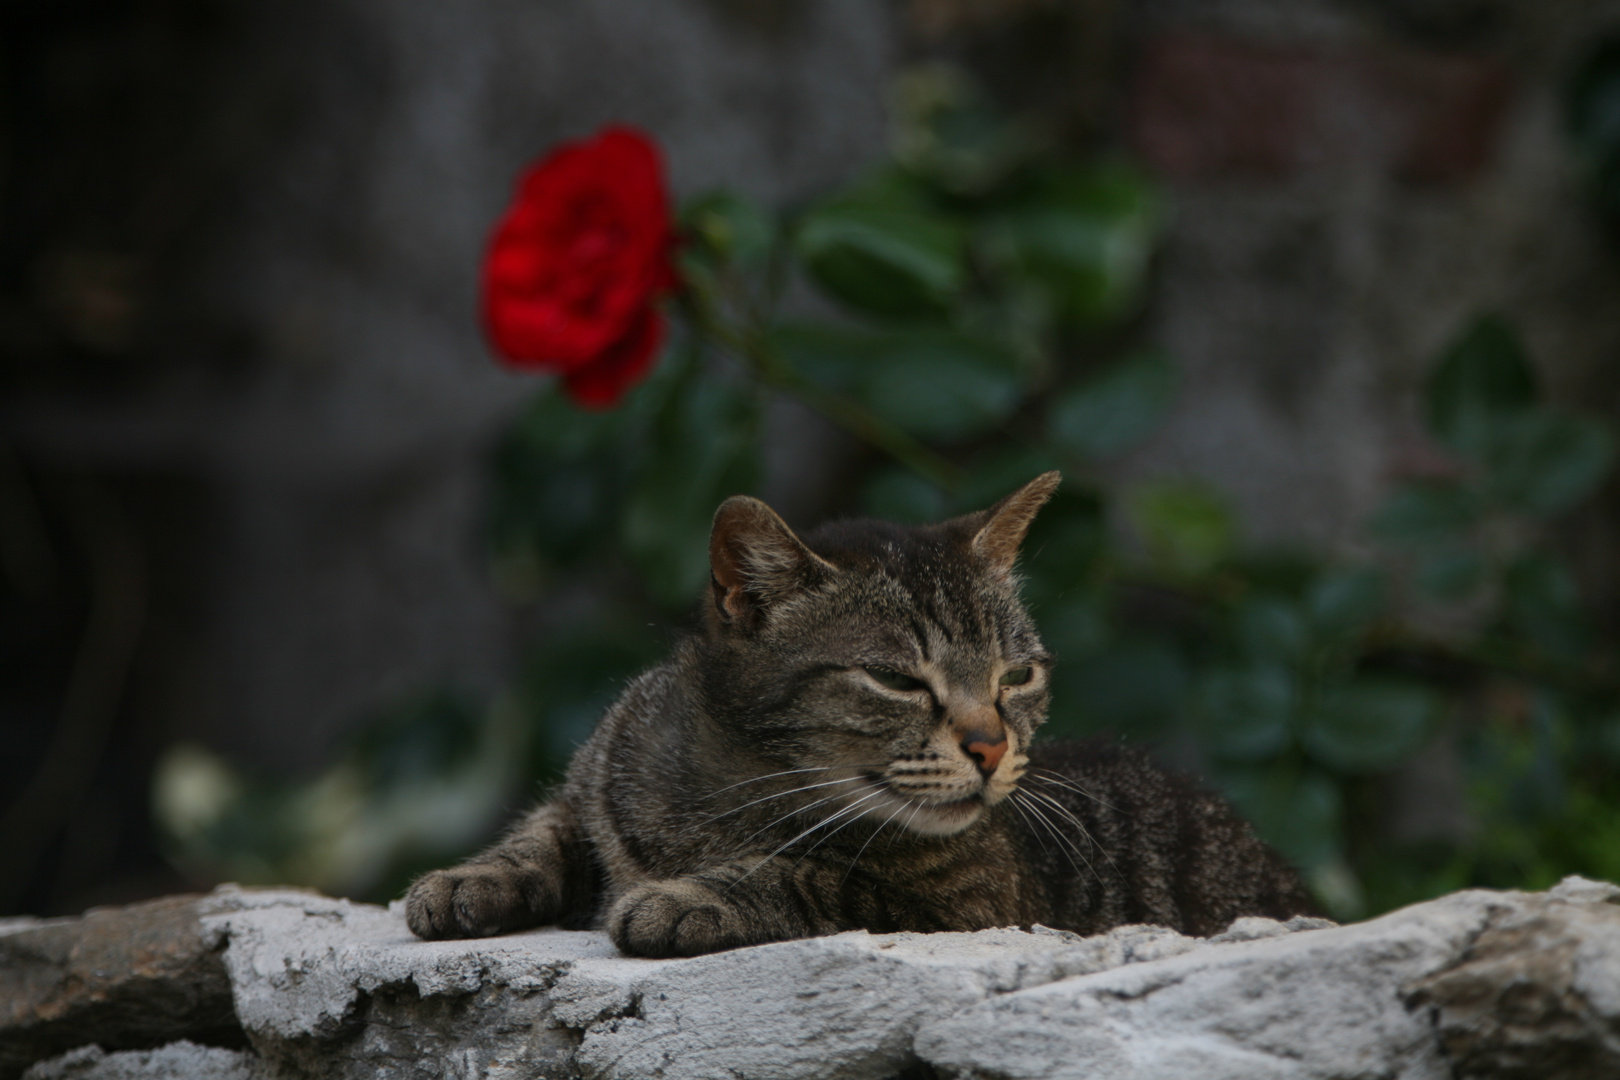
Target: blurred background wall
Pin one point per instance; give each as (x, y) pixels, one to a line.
(247, 411)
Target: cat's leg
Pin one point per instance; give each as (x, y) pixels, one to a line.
(540, 872)
(726, 907)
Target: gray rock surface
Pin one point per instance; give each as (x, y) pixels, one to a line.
(327, 987)
(1537, 993)
(124, 977)
(1477, 984)
(181, 1060)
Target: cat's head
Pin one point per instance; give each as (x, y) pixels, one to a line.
(895, 665)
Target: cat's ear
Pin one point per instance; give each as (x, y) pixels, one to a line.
(997, 532)
(755, 561)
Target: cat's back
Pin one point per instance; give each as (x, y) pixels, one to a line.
(1117, 839)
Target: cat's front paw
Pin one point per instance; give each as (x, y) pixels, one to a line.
(677, 917)
(467, 901)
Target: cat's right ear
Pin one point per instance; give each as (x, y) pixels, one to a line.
(998, 532)
(755, 561)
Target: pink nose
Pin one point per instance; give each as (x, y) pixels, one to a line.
(985, 753)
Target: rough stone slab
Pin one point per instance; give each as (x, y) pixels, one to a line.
(130, 977)
(181, 1060)
(333, 988)
(1537, 994)
(1478, 984)
(1329, 1004)
(834, 1007)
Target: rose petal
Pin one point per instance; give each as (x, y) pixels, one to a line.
(601, 384)
(586, 246)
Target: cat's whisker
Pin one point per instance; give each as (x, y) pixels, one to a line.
(818, 825)
(851, 867)
(1068, 847)
(1065, 813)
(1019, 809)
(915, 811)
(1047, 776)
(1059, 807)
(1065, 782)
(1079, 825)
(792, 812)
(840, 828)
(781, 794)
(791, 772)
(769, 776)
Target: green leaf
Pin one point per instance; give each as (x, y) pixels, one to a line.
(942, 385)
(1245, 713)
(1185, 525)
(1483, 379)
(1116, 411)
(558, 480)
(1301, 815)
(1543, 463)
(1368, 725)
(1342, 602)
(947, 131)
(898, 494)
(730, 228)
(1425, 512)
(420, 738)
(837, 357)
(882, 257)
(1065, 543)
(1086, 234)
(1543, 603)
(1269, 629)
(934, 383)
(1452, 574)
(704, 448)
(1280, 569)
(1132, 686)
(1075, 625)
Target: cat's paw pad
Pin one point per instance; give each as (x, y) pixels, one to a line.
(466, 901)
(673, 918)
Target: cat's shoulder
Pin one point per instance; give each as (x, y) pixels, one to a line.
(1096, 751)
(1124, 769)
(655, 690)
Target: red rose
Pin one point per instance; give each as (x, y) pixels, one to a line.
(577, 263)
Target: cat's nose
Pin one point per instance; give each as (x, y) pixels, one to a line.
(985, 750)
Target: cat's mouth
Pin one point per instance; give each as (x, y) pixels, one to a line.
(931, 813)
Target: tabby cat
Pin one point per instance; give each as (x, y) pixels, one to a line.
(848, 743)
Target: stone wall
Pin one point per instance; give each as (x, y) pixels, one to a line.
(1478, 984)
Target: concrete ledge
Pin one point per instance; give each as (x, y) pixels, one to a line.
(1476, 984)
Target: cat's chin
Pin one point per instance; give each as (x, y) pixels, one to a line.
(945, 819)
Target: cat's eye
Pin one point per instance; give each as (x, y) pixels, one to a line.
(894, 680)
(1017, 676)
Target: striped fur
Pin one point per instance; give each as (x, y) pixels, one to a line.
(848, 743)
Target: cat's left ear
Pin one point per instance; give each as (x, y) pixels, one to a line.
(998, 532)
(755, 561)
